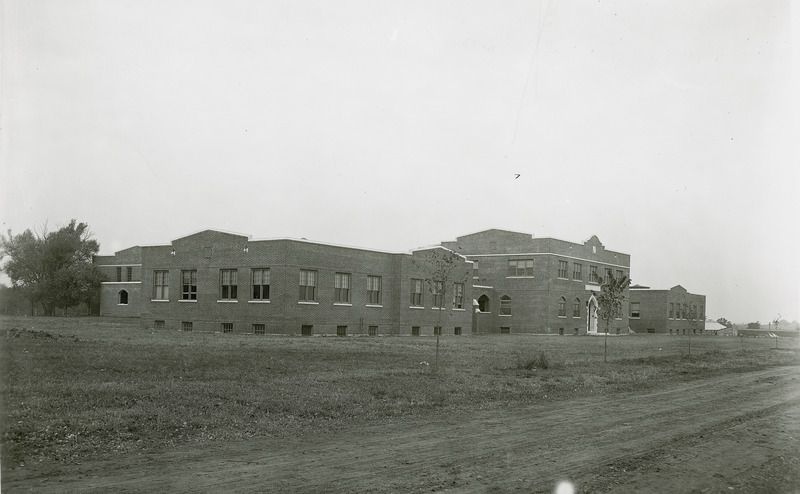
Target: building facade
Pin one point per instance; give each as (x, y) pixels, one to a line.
(229, 283)
(524, 284)
(673, 311)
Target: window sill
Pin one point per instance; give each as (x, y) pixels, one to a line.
(461, 309)
(343, 304)
(306, 302)
(562, 317)
(563, 278)
(438, 308)
(415, 307)
(576, 317)
(374, 305)
(503, 315)
(258, 301)
(121, 305)
(187, 301)
(522, 277)
(227, 301)
(159, 300)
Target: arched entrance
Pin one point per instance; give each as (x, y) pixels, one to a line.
(591, 315)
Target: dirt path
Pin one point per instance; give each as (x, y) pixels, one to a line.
(736, 433)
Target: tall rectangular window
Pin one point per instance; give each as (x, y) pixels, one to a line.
(520, 267)
(438, 288)
(475, 269)
(562, 269)
(189, 284)
(308, 285)
(129, 273)
(620, 274)
(458, 295)
(416, 292)
(577, 271)
(576, 308)
(608, 275)
(228, 284)
(119, 274)
(161, 285)
(593, 274)
(562, 307)
(374, 290)
(260, 284)
(671, 310)
(341, 288)
(635, 309)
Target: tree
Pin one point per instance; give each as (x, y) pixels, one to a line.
(754, 325)
(440, 268)
(53, 269)
(725, 322)
(609, 302)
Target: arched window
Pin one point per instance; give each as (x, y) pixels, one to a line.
(562, 307)
(123, 297)
(576, 308)
(483, 303)
(505, 305)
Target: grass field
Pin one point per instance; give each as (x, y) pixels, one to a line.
(80, 388)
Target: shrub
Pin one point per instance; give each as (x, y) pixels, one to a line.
(539, 361)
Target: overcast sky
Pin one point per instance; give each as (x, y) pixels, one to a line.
(667, 128)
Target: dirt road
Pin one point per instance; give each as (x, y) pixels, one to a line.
(736, 433)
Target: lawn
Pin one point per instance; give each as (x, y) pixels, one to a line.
(80, 388)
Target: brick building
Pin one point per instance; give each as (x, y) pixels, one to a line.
(217, 281)
(673, 311)
(524, 284)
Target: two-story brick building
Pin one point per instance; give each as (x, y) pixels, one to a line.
(524, 284)
(217, 281)
(673, 311)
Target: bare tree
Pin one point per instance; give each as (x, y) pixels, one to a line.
(441, 268)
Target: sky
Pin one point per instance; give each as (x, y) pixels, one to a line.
(669, 128)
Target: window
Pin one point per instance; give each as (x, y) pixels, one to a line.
(671, 310)
(123, 297)
(308, 285)
(228, 284)
(576, 308)
(562, 269)
(159, 325)
(260, 284)
(505, 305)
(457, 330)
(458, 295)
(161, 285)
(520, 267)
(620, 274)
(562, 307)
(608, 275)
(438, 287)
(129, 273)
(259, 329)
(119, 274)
(593, 274)
(475, 269)
(186, 326)
(635, 309)
(373, 331)
(505, 330)
(341, 288)
(307, 330)
(416, 292)
(189, 285)
(374, 290)
(414, 330)
(577, 271)
(700, 314)
(227, 327)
